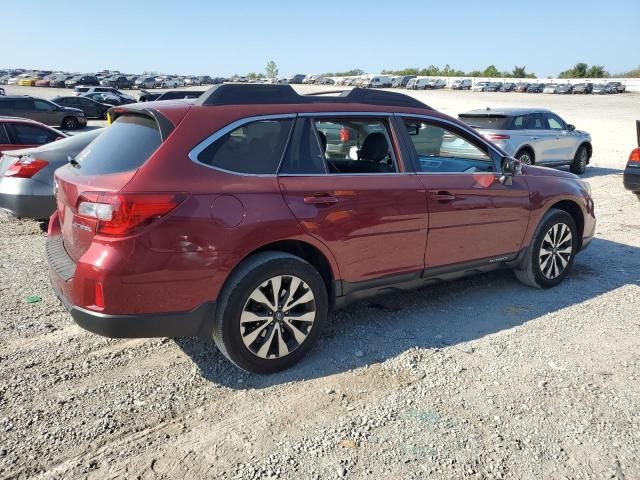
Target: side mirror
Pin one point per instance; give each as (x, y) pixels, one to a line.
(510, 168)
(571, 128)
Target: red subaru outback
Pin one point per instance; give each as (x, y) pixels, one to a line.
(240, 216)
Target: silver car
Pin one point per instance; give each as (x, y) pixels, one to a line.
(26, 175)
(533, 136)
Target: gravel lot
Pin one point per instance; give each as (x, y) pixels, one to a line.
(478, 378)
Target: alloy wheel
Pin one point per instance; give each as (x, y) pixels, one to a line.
(555, 251)
(525, 158)
(583, 159)
(277, 317)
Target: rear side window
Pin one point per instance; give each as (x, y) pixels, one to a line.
(31, 135)
(123, 146)
(489, 122)
(4, 138)
(254, 148)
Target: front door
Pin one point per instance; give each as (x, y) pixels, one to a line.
(344, 180)
(472, 215)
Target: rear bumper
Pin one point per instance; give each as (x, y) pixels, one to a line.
(39, 207)
(631, 179)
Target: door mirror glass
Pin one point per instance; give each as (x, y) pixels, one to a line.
(571, 128)
(510, 168)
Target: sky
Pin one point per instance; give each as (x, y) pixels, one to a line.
(225, 38)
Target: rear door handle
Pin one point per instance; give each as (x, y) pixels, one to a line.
(443, 196)
(320, 200)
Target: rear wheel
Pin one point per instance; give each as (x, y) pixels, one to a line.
(70, 123)
(104, 115)
(271, 312)
(552, 251)
(579, 163)
(525, 156)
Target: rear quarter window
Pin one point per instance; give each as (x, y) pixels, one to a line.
(122, 147)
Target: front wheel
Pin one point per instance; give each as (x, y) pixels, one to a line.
(70, 123)
(579, 163)
(552, 251)
(271, 312)
(525, 157)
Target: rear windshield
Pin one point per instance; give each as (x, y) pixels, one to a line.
(123, 146)
(489, 122)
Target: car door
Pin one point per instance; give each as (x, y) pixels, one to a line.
(566, 143)
(473, 217)
(88, 107)
(24, 135)
(370, 212)
(46, 112)
(539, 137)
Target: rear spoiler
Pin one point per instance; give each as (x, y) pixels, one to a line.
(165, 126)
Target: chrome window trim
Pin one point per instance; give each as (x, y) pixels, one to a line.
(348, 114)
(198, 149)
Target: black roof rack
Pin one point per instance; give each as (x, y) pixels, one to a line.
(238, 94)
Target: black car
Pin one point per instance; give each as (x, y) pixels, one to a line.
(117, 81)
(205, 80)
(296, 79)
(82, 80)
(493, 87)
(90, 107)
(179, 94)
(507, 87)
(583, 88)
(108, 98)
(1, 91)
(565, 88)
(631, 176)
(148, 96)
(535, 88)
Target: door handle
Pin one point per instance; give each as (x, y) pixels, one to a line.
(443, 196)
(321, 200)
(534, 138)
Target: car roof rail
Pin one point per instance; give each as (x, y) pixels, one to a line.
(238, 94)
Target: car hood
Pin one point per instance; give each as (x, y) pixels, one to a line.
(534, 171)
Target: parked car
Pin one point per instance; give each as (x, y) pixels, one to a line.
(106, 98)
(550, 88)
(507, 87)
(480, 86)
(179, 95)
(18, 133)
(521, 87)
(117, 81)
(82, 80)
(297, 79)
(536, 88)
(631, 176)
(91, 108)
(565, 88)
(146, 82)
(1, 91)
(435, 84)
(462, 84)
(401, 81)
(603, 89)
(493, 87)
(28, 81)
(190, 81)
(205, 80)
(418, 83)
(379, 81)
(148, 96)
(583, 88)
(170, 82)
(44, 81)
(619, 87)
(59, 81)
(252, 235)
(42, 111)
(26, 175)
(84, 90)
(533, 136)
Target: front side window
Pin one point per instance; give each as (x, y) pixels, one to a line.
(440, 150)
(356, 145)
(254, 148)
(31, 135)
(554, 122)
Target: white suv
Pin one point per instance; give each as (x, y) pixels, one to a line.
(83, 90)
(170, 82)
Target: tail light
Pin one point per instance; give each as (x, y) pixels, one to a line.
(25, 167)
(344, 134)
(124, 213)
(496, 136)
(634, 158)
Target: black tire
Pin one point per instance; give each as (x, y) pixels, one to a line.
(70, 123)
(526, 156)
(580, 161)
(104, 115)
(531, 270)
(252, 274)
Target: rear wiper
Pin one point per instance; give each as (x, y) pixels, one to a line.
(74, 163)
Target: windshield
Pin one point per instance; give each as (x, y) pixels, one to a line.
(488, 122)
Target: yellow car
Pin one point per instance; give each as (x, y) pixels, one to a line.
(27, 82)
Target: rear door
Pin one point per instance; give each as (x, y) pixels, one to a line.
(565, 144)
(5, 141)
(540, 138)
(24, 135)
(360, 201)
(88, 107)
(473, 217)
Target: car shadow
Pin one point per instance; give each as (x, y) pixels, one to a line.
(447, 314)
(595, 171)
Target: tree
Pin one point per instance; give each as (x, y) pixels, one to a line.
(491, 71)
(271, 70)
(597, 71)
(520, 72)
(252, 76)
(579, 70)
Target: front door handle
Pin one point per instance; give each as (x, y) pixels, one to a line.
(321, 200)
(534, 138)
(443, 196)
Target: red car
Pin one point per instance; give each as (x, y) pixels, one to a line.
(225, 217)
(17, 133)
(631, 176)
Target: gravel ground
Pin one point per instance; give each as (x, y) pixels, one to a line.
(478, 378)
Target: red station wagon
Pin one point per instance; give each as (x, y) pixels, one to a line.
(234, 217)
